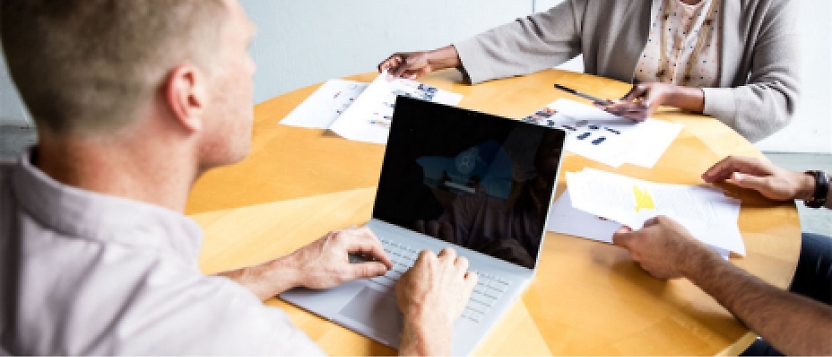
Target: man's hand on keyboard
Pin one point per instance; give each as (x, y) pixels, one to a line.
(432, 295)
(325, 263)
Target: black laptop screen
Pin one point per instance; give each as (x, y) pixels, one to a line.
(472, 179)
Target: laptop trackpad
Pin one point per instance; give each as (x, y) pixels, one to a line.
(376, 310)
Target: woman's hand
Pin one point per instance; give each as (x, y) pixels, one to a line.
(412, 65)
(643, 100)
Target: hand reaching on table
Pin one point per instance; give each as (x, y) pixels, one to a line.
(791, 323)
(662, 247)
(770, 180)
(413, 65)
(431, 296)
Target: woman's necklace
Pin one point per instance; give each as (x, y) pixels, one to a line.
(704, 32)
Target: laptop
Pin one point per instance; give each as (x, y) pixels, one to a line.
(479, 183)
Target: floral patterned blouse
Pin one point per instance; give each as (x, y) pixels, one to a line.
(684, 23)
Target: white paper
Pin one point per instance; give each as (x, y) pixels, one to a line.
(650, 141)
(606, 138)
(706, 212)
(565, 219)
(368, 119)
(324, 106)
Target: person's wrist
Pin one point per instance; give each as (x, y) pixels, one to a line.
(427, 315)
(696, 257)
(687, 98)
(428, 330)
(806, 186)
(675, 95)
(443, 58)
(290, 271)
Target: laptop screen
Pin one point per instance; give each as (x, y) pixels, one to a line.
(473, 179)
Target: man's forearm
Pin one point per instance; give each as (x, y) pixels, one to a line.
(268, 279)
(793, 324)
(423, 336)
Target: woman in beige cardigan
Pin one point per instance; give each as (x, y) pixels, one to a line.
(735, 60)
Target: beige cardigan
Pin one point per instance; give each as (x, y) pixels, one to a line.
(759, 69)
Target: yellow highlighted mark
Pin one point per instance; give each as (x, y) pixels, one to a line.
(643, 199)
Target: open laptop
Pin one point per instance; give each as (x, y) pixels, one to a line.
(480, 183)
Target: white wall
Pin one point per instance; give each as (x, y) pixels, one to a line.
(811, 127)
(12, 111)
(300, 43)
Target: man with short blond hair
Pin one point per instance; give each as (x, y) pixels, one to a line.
(133, 100)
(89, 58)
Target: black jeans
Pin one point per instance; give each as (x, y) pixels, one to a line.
(813, 278)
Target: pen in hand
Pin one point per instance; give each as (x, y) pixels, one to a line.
(583, 95)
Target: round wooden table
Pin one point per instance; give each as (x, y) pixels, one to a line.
(588, 298)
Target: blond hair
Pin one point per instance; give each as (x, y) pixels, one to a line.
(85, 66)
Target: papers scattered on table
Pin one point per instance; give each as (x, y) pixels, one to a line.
(706, 212)
(369, 118)
(321, 109)
(362, 111)
(566, 219)
(606, 138)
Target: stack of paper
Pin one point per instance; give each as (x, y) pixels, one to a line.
(705, 211)
(606, 138)
(360, 111)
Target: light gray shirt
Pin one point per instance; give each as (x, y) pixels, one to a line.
(758, 70)
(88, 274)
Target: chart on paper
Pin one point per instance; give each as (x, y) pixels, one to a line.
(370, 117)
(606, 138)
(324, 106)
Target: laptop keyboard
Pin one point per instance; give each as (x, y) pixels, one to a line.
(489, 287)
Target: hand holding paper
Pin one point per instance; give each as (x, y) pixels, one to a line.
(706, 212)
(663, 248)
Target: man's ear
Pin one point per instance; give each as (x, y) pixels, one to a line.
(186, 96)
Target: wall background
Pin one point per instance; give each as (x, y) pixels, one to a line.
(12, 111)
(300, 43)
(338, 38)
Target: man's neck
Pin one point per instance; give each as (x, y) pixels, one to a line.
(131, 168)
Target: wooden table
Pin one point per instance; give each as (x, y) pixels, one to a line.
(588, 298)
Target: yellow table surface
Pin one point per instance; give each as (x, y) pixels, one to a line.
(588, 298)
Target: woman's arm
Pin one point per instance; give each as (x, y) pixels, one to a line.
(527, 45)
(767, 102)
(759, 104)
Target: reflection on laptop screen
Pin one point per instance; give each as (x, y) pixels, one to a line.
(472, 179)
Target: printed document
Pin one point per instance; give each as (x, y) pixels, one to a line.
(370, 117)
(321, 109)
(705, 211)
(606, 138)
(566, 219)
